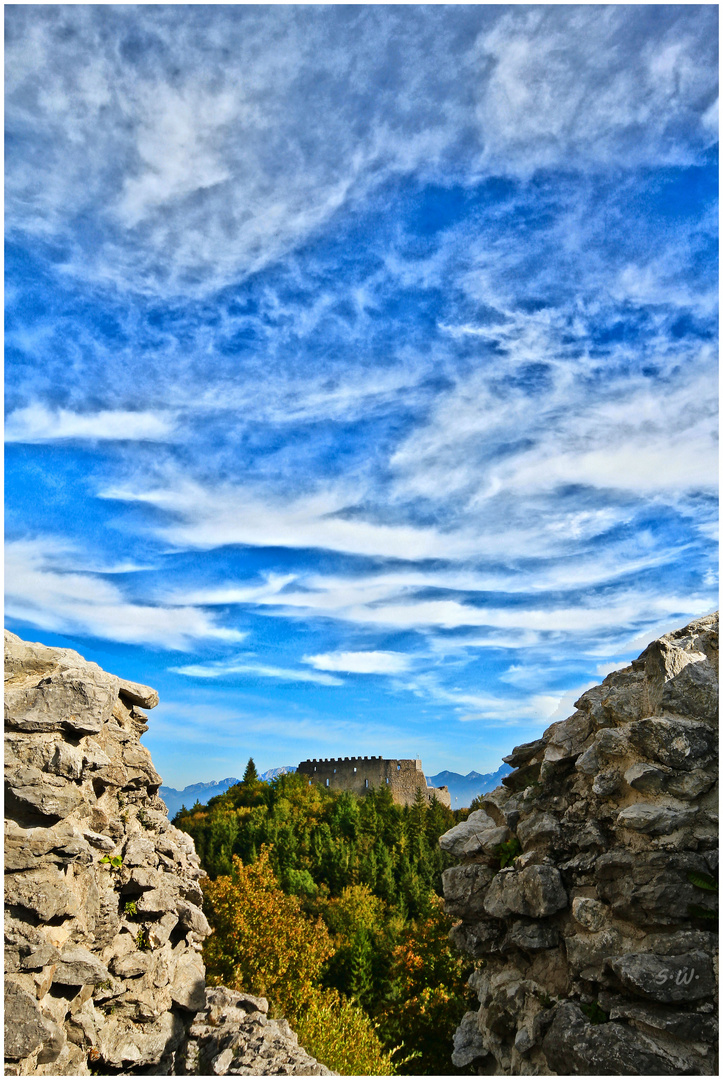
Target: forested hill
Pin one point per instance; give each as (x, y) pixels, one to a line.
(371, 871)
(202, 792)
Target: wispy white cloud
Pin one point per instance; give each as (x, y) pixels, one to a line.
(39, 592)
(451, 414)
(221, 137)
(400, 601)
(213, 517)
(374, 662)
(471, 706)
(225, 668)
(622, 438)
(38, 424)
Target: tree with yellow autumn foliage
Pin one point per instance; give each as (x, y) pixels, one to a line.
(264, 943)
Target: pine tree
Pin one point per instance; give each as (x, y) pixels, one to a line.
(250, 776)
(360, 967)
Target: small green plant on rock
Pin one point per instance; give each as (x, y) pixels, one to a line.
(507, 853)
(594, 1013)
(143, 819)
(130, 908)
(114, 862)
(142, 941)
(707, 884)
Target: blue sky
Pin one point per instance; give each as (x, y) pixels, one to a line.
(361, 376)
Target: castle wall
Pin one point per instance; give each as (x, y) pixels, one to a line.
(404, 776)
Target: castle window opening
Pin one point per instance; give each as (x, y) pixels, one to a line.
(387, 779)
(398, 767)
(366, 783)
(355, 768)
(327, 781)
(334, 770)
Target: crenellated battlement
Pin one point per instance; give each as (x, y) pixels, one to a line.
(403, 776)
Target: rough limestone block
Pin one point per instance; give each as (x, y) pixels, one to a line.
(655, 819)
(574, 1046)
(27, 1030)
(479, 834)
(188, 988)
(42, 891)
(590, 913)
(688, 977)
(464, 889)
(676, 743)
(79, 967)
(536, 891)
(468, 1042)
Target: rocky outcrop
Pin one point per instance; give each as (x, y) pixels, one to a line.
(596, 945)
(103, 926)
(234, 1036)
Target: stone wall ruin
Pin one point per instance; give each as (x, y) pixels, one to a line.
(103, 919)
(358, 775)
(597, 948)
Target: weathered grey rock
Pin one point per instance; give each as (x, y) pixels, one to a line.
(667, 978)
(233, 1036)
(79, 706)
(103, 964)
(686, 1026)
(193, 918)
(538, 828)
(568, 737)
(478, 939)
(575, 1046)
(532, 935)
(679, 744)
(137, 694)
(617, 808)
(27, 1031)
(477, 835)
(30, 848)
(537, 891)
(590, 913)
(468, 1043)
(123, 1043)
(525, 752)
(78, 967)
(189, 986)
(47, 799)
(651, 886)
(43, 892)
(607, 782)
(656, 819)
(464, 889)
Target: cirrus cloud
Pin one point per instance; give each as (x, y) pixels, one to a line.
(374, 662)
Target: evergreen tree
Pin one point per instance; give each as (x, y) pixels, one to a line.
(360, 968)
(250, 776)
(371, 870)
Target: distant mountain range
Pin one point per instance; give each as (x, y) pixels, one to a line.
(189, 796)
(463, 789)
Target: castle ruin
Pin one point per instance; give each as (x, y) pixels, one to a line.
(403, 776)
